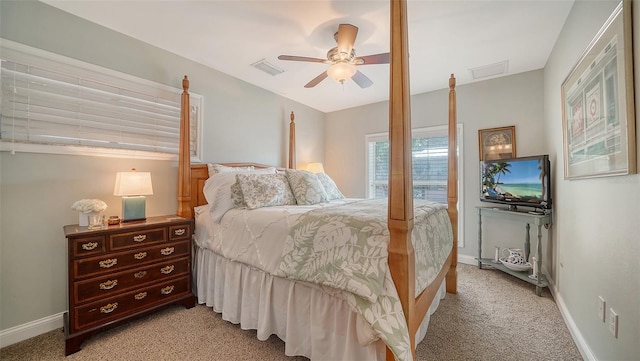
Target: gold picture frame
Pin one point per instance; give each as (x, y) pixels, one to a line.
(598, 117)
(497, 143)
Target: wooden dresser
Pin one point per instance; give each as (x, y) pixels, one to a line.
(125, 271)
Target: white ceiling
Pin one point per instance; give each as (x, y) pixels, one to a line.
(444, 37)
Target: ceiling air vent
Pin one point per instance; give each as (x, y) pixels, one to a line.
(267, 67)
(490, 70)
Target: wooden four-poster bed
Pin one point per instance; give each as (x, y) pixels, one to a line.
(400, 212)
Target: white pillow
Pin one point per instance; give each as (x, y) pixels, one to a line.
(219, 168)
(330, 186)
(265, 190)
(217, 191)
(306, 187)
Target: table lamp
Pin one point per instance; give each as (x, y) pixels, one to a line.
(315, 168)
(133, 187)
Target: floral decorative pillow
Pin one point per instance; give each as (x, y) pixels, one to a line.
(330, 187)
(236, 195)
(265, 190)
(218, 191)
(306, 187)
(219, 168)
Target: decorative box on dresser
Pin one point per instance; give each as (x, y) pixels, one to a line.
(125, 271)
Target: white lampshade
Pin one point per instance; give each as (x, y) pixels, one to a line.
(132, 187)
(341, 71)
(133, 184)
(315, 168)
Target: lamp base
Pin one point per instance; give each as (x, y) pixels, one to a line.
(133, 209)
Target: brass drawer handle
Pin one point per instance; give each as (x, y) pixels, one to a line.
(140, 296)
(140, 255)
(166, 270)
(167, 290)
(108, 284)
(179, 232)
(140, 274)
(108, 263)
(139, 238)
(167, 251)
(89, 246)
(109, 308)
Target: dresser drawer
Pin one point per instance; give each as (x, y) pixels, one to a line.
(181, 231)
(114, 262)
(145, 237)
(99, 288)
(112, 308)
(88, 246)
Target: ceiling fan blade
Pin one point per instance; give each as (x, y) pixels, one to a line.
(346, 38)
(316, 80)
(362, 80)
(372, 59)
(302, 58)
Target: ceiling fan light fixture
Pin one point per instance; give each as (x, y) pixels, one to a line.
(341, 71)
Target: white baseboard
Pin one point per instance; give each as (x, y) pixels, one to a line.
(31, 329)
(581, 343)
(462, 258)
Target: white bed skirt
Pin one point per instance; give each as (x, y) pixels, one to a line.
(312, 322)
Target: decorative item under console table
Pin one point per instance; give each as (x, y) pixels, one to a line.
(539, 219)
(125, 271)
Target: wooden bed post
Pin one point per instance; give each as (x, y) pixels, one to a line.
(452, 186)
(292, 142)
(401, 253)
(184, 156)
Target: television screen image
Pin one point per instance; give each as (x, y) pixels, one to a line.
(520, 181)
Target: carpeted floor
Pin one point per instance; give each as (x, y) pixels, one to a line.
(493, 317)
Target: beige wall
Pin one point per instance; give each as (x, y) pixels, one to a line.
(37, 190)
(596, 246)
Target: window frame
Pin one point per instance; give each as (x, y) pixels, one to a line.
(20, 53)
(416, 131)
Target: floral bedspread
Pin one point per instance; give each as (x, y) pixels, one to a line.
(345, 247)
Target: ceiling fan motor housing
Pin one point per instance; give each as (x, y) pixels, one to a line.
(335, 56)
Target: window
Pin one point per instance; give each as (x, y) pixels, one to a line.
(53, 104)
(429, 162)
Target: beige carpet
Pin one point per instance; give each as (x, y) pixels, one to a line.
(493, 317)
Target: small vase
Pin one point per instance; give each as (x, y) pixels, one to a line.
(93, 220)
(83, 219)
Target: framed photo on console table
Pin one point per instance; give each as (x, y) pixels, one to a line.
(598, 118)
(497, 143)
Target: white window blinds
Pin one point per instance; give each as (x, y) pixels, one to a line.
(50, 102)
(429, 162)
(429, 155)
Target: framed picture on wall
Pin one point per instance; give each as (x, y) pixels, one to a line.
(598, 117)
(497, 143)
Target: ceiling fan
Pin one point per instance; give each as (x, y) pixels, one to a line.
(343, 59)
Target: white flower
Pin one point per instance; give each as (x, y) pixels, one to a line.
(89, 205)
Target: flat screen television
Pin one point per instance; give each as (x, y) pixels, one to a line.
(523, 181)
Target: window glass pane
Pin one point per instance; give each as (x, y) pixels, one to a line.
(429, 162)
(430, 148)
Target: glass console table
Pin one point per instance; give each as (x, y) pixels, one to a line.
(538, 220)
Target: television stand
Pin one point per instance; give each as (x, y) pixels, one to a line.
(524, 217)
